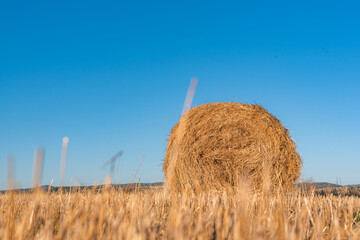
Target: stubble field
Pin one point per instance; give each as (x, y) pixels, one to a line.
(109, 213)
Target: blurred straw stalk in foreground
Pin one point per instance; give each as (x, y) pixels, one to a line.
(38, 165)
(65, 142)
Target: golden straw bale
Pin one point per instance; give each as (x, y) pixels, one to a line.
(219, 146)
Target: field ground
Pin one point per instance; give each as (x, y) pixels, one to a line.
(149, 213)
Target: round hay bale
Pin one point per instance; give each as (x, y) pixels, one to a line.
(216, 146)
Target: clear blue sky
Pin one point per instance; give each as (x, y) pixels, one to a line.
(113, 76)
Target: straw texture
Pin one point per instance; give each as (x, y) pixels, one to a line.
(219, 146)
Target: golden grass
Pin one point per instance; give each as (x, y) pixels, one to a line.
(151, 214)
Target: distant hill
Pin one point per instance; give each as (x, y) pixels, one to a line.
(131, 186)
(320, 185)
(325, 185)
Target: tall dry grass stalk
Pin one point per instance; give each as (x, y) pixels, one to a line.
(151, 214)
(11, 172)
(38, 166)
(190, 95)
(64, 148)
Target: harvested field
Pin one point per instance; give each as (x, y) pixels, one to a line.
(151, 214)
(220, 146)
